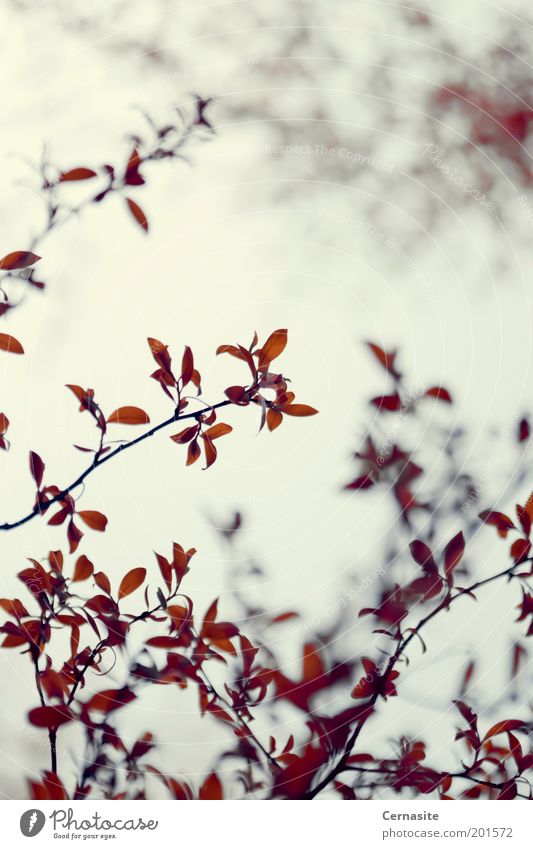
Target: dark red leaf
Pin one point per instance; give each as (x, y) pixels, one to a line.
(18, 259)
(50, 716)
(36, 468)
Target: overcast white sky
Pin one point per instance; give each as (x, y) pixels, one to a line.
(249, 239)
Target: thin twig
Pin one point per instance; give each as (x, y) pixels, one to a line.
(402, 775)
(39, 509)
(400, 649)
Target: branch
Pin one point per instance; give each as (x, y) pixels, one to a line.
(381, 771)
(274, 765)
(400, 649)
(38, 510)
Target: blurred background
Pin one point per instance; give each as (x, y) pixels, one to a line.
(370, 178)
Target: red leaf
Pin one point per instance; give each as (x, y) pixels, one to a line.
(273, 347)
(440, 393)
(101, 580)
(132, 176)
(9, 343)
(109, 700)
(528, 507)
(428, 587)
(273, 419)
(509, 791)
(187, 366)
(4, 423)
(524, 519)
(83, 569)
(138, 214)
(502, 522)
(131, 581)
(193, 452)
(78, 391)
(299, 410)
(391, 403)
(50, 716)
(361, 482)
(128, 415)
(93, 519)
(236, 394)
(453, 553)
(186, 435)
(210, 451)
(211, 789)
(524, 430)
(520, 550)
(74, 536)
(386, 358)
(18, 259)
(218, 430)
(101, 604)
(163, 642)
(36, 468)
(77, 174)
(14, 607)
(423, 555)
(505, 725)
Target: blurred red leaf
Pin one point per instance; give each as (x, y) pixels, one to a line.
(77, 174)
(390, 403)
(440, 393)
(18, 259)
(138, 214)
(423, 555)
(110, 700)
(386, 359)
(502, 522)
(132, 176)
(211, 789)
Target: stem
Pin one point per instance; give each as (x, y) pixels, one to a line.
(38, 510)
(402, 645)
(242, 722)
(81, 672)
(52, 736)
